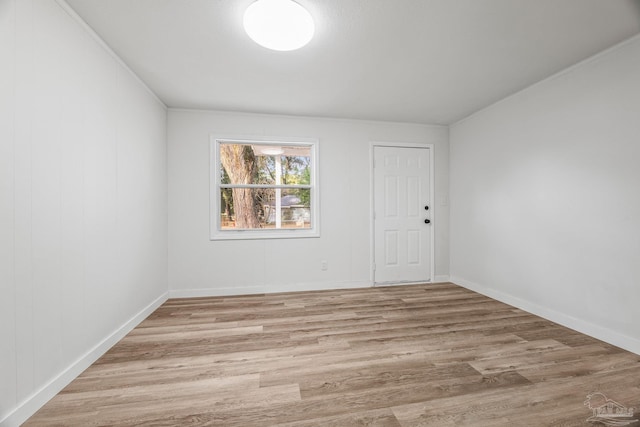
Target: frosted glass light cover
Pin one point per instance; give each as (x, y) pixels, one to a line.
(278, 24)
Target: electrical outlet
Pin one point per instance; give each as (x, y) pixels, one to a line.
(324, 265)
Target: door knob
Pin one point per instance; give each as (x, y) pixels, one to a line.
(426, 208)
(427, 221)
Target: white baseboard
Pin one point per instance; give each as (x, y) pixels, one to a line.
(604, 334)
(215, 292)
(31, 404)
(266, 289)
(275, 288)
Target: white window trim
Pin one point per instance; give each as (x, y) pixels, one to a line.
(216, 232)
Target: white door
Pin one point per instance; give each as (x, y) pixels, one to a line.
(402, 215)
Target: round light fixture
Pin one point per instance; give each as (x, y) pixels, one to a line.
(278, 24)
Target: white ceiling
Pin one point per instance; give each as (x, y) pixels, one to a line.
(423, 61)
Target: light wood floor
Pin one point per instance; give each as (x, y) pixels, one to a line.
(425, 355)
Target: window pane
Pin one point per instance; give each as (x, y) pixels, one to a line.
(295, 170)
(255, 208)
(265, 164)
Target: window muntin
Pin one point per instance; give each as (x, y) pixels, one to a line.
(263, 189)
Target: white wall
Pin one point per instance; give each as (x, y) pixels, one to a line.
(545, 198)
(83, 243)
(198, 266)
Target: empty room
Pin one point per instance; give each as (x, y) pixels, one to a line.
(319, 213)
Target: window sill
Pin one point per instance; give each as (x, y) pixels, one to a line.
(263, 234)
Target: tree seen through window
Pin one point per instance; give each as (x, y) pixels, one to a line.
(265, 186)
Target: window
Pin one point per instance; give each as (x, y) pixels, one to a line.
(263, 189)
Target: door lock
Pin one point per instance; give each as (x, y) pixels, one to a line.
(427, 221)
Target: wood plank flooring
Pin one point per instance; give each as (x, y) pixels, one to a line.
(423, 355)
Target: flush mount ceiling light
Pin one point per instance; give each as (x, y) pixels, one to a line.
(278, 24)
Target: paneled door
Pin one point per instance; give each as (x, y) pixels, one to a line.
(402, 214)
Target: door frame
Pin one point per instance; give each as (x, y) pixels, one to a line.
(432, 207)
